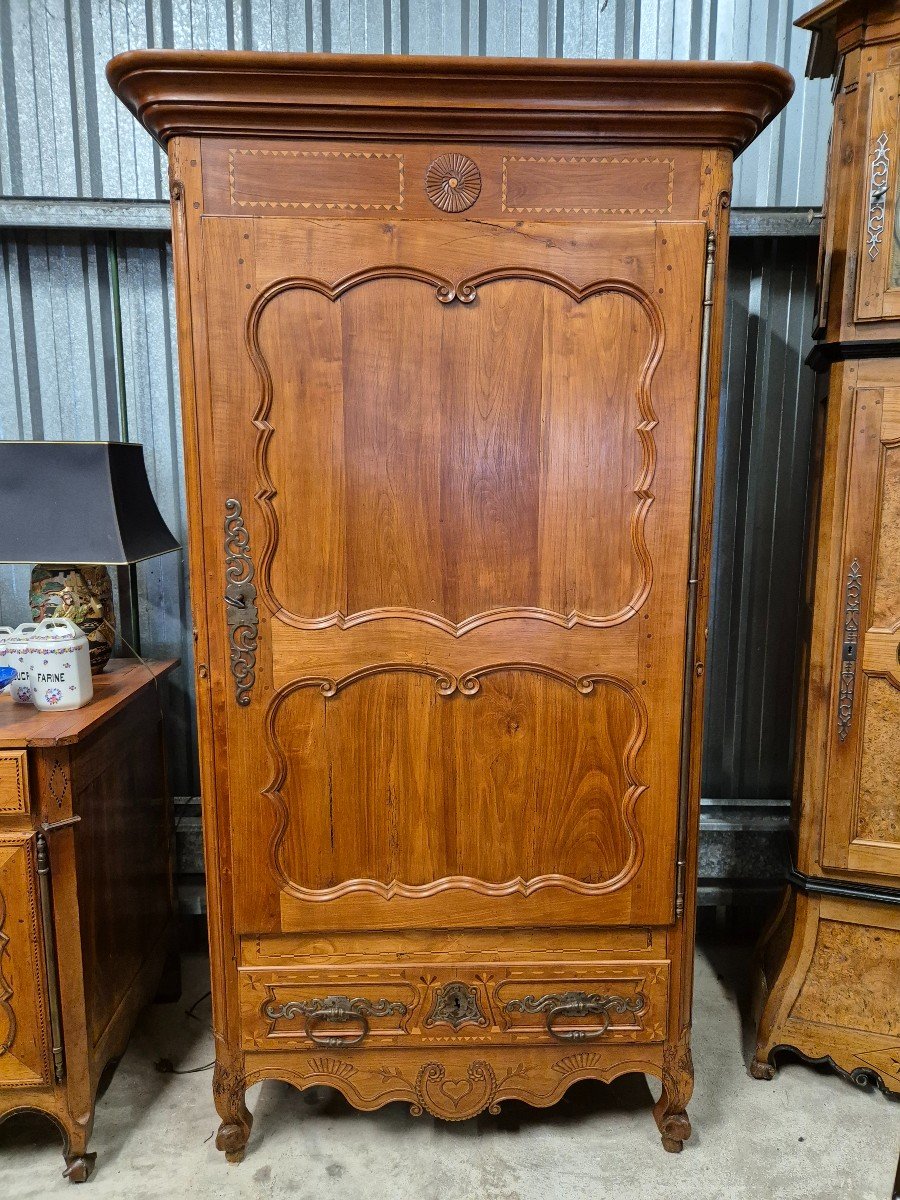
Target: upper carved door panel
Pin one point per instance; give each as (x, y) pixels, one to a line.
(526, 493)
(477, 417)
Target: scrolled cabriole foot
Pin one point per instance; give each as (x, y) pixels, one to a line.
(670, 1110)
(79, 1167)
(237, 1121)
(759, 1069)
(232, 1141)
(675, 1131)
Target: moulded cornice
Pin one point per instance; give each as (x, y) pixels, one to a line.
(176, 93)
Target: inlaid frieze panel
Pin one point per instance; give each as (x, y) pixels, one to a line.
(315, 180)
(595, 184)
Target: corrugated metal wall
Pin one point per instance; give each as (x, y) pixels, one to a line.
(87, 320)
(63, 133)
(64, 373)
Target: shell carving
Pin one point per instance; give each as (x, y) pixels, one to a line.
(453, 183)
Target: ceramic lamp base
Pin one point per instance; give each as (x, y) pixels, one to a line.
(84, 595)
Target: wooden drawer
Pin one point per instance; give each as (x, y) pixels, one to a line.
(411, 1004)
(24, 1035)
(13, 782)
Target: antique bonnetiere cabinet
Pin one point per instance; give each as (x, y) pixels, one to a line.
(830, 962)
(450, 340)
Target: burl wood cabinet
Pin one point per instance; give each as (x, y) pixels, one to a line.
(86, 914)
(450, 340)
(830, 979)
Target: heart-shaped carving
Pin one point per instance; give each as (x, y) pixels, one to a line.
(456, 1089)
(455, 1099)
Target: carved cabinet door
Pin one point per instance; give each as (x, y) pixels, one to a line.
(878, 283)
(456, 458)
(24, 1038)
(862, 810)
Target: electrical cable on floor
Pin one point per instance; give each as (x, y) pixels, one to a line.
(165, 1066)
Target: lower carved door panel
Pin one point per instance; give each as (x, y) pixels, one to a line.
(24, 1035)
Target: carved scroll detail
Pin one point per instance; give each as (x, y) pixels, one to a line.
(455, 1099)
(240, 602)
(847, 682)
(878, 186)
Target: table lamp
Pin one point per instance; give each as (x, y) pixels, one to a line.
(74, 508)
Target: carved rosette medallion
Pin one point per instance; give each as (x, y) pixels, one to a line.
(453, 183)
(456, 1004)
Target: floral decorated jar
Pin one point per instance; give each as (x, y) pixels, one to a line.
(82, 594)
(15, 651)
(59, 666)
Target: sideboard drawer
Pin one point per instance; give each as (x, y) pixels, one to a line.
(13, 782)
(24, 1036)
(410, 1004)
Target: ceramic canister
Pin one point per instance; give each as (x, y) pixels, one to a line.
(15, 649)
(59, 665)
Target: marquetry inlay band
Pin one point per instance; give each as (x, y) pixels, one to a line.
(588, 161)
(323, 194)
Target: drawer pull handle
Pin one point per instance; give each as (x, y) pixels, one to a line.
(333, 1010)
(559, 1006)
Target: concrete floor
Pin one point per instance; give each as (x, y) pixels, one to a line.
(806, 1136)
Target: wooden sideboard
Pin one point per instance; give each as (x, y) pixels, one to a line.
(86, 904)
(829, 985)
(450, 347)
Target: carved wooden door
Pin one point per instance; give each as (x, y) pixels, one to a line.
(862, 813)
(24, 1042)
(457, 458)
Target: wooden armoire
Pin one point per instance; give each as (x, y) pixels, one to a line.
(450, 343)
(830, 961)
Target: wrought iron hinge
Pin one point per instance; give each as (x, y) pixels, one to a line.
(43, 870)
(679, 887)
(240, 602)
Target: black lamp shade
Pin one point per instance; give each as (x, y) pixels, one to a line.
(78, 503)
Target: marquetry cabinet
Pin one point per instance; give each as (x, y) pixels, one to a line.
(450, 342)
(87, 929)
(829, 985)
